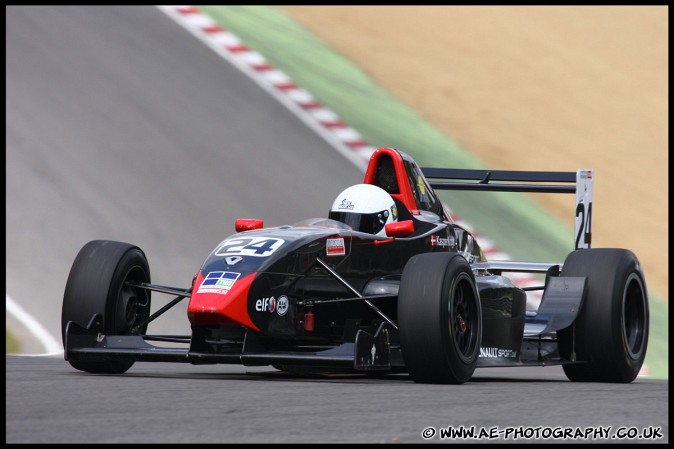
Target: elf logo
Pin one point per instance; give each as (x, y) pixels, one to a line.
(265, 304)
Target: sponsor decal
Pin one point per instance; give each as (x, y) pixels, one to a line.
(265, 304)
(586, 174)
(497, 352)
(439, 241)
(394, 212)
(335, 247)
(345, 204)
(249, 246)
(233, 260)
(422, 188)
(272, 305)
(219, 282)
(282, 305)
(470, 257)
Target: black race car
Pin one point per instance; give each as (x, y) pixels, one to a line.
(400, 289)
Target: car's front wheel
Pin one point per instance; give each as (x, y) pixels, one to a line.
(101, 283)
(439, 318)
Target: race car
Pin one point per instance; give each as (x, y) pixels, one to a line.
(386, 283)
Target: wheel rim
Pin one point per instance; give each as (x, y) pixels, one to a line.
(634, 316)
(463, 317)
(133, 302)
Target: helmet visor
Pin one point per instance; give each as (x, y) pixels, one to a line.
(368, 223)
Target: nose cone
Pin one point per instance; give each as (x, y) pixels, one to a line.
(221, 298)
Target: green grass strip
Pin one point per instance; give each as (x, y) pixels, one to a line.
(11, 344)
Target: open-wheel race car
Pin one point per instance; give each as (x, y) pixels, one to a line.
(387, 283)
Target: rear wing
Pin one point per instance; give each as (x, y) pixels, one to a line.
(525, 181)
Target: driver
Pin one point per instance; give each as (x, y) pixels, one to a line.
(366, 208)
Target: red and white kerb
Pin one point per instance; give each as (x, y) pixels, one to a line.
(345, 139)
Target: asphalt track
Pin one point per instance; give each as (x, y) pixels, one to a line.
(122, 126)
(176, 403)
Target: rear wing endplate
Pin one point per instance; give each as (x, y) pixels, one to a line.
(525, 181)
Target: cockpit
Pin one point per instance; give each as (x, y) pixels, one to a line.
(400, 176)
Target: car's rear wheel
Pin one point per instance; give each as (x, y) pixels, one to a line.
(439, 318)
(100, 282)
(610, 335)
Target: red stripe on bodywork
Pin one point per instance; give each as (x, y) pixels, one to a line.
(221, 309)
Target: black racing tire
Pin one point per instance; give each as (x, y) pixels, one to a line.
(97, 284)
(439, 318)
(610, 334)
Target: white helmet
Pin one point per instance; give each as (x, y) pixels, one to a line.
(366, 208)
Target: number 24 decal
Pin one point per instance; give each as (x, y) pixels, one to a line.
(584, 237)
(249, 246)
